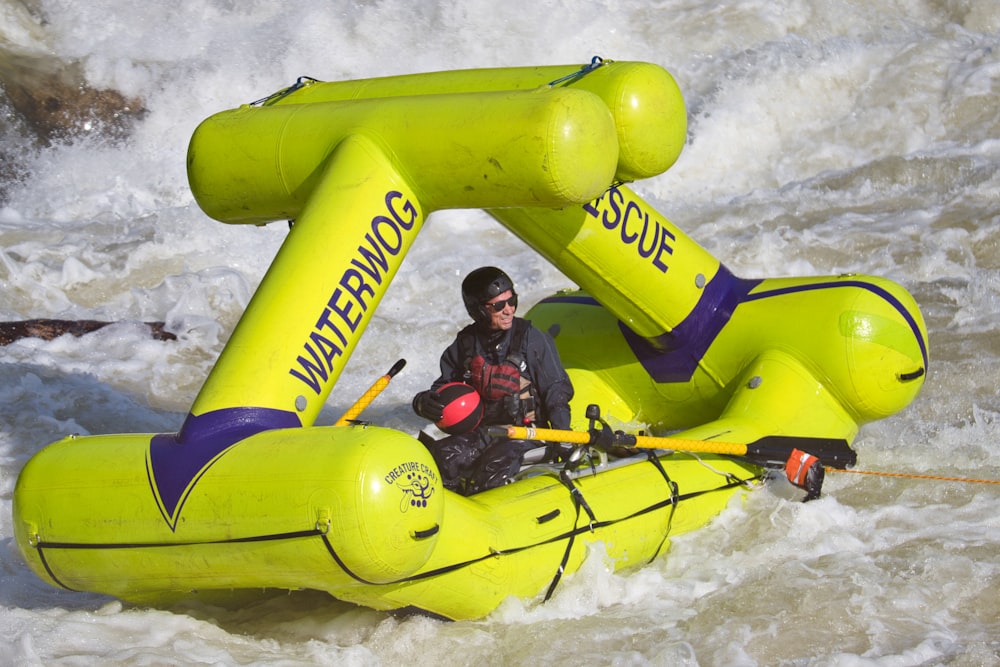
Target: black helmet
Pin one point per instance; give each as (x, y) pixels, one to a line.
(482, 285)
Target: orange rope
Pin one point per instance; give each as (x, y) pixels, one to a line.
(912, 476)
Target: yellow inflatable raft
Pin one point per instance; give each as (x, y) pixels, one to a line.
(250, 494)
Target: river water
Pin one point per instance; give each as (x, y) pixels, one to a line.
(824, 137)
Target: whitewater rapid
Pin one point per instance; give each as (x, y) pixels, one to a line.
(824, 137)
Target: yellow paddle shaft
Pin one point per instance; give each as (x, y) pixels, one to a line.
(639, 441)
(369, 396)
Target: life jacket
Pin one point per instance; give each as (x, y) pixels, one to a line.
(506, 389)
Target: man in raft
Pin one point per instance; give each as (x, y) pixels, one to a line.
(510, 373)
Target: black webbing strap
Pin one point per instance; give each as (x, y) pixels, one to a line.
(578, 502)
(674, 495)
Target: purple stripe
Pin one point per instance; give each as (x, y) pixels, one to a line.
(674, 356)
(874, 289)
(178, 459)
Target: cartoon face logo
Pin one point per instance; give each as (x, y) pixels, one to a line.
(417, 488)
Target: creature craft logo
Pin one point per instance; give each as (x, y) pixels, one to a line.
(416, 480)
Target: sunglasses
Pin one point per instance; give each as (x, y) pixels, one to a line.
(500, 305)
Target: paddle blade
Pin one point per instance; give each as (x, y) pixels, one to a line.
(833, 452)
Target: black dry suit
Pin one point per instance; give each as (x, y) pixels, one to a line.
(521, 381)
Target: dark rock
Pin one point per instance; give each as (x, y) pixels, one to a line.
(48, 329)
(54, 100)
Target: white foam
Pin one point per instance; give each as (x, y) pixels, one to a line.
(824, 137)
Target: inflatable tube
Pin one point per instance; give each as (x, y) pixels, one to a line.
(624, 253)
(309, 312)
(255, 503)
(677, 339)
(357, 512)
(464, 150)
(644, 99)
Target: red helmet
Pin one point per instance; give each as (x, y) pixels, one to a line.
(463, 408)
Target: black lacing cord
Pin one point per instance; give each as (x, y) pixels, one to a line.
(579, 502)
(42, 545)
(595, 62)
(301, 82)
(674, 494)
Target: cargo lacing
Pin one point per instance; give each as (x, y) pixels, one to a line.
(595, 62)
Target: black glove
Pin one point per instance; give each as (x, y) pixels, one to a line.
(558, 452)
(428, 404)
